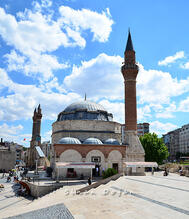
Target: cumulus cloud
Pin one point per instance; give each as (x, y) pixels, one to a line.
(116, 108)
(14, 133)
(22, 99)
(31, 33)
(98, 77)
(143, 113)
(28, 33)
(101, 77)
(184, 105)
(40, 65)
(171, 59)
(9, 130)
(160, 128)
(46, 136)
(98, 23)
(155, 86)
(185, 65)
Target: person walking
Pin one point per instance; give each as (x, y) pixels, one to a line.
(89, 181)
(3, 174)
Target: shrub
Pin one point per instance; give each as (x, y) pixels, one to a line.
(109, 172)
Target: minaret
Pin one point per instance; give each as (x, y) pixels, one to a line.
(36, 137)
(135, 151)
(130, 71)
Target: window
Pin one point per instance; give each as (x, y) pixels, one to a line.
(96, 159)
(70, 170)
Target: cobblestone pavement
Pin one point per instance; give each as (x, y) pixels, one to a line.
(58, 211)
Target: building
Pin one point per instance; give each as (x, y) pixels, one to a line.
(46, 148)
(85, 132)
(7, 155)
(184, 139)
(142, 128)
(177, 141)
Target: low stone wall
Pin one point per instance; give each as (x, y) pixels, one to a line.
(101, 182)
(41, 190)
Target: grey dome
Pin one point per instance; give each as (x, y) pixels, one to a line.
(85, 110)
(69, 140)
(84, 105)
(92, 141)
(112, 141)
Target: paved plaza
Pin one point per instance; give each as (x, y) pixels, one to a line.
(131, 197)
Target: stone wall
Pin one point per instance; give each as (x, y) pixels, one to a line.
(41, 190)
(83, 129)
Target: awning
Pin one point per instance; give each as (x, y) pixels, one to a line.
(82, 165)
(141, 164)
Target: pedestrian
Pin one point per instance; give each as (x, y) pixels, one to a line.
(3, 174)
(166, 172)
(89, 180)
(97, 169)
(152, 171)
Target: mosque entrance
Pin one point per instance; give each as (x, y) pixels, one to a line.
(115, 166)
(96, 170)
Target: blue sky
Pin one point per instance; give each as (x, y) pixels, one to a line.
(52, 52)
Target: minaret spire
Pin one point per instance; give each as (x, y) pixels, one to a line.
(85, 96)
(129, 46)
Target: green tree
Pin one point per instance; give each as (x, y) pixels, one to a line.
(155, 149)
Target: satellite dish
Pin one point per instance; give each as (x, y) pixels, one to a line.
(39, 151)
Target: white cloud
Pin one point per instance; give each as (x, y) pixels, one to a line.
(155, 86)
(184, 105)
(171, 59)
(101, 77)
(98, 77)
(78, 20)
(40, 65)
(185, 65)
(160, 128)
(9, 130)
(143, 113)
(14, 134)
(46, 136)
(22, 100)
(29, 34)
(116, 108)
(167, 112)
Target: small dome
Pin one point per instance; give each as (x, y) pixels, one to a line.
(112, 141)
(92, 141)
(69, 140)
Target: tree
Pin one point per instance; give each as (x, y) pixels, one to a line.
(155, 149)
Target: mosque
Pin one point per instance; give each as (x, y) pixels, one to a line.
(86, 132)
(86, 140)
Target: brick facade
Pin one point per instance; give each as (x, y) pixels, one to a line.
(85, 149)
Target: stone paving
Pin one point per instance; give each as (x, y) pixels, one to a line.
(130, 197)
(56, 212)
